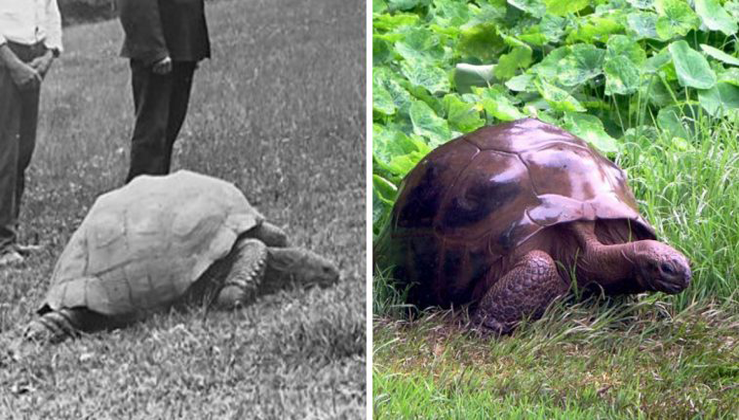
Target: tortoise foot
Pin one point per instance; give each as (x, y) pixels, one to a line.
(489, 326)
(242, 282)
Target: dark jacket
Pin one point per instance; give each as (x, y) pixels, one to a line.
(157, 28)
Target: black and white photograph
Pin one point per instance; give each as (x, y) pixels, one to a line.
(182, 209)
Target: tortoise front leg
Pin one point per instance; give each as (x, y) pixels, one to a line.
(247, 271)
(526, 290)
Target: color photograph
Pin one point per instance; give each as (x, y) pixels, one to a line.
(554, 195)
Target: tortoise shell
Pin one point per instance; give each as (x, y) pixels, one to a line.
(142, 246)
(480, 197)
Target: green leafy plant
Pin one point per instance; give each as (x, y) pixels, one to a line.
(599, 68)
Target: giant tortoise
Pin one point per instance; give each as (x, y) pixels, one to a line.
(503, 217)
(163, 240)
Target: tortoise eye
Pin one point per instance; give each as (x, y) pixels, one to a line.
(667, 268)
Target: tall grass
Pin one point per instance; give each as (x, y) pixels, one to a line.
(688, 190)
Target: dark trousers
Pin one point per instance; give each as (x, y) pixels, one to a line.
(161, 105)
(18, 119)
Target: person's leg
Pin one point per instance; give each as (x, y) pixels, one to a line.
(26, 146)
(182, 72)
(151, 93)
(27, 141)
(10, 116)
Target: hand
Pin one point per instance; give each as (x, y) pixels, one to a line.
(24, 76)
(42, 63)
(162, 66)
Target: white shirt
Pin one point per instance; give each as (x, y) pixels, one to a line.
(31, 21)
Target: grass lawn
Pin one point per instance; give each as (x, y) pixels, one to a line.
(279, 111)
(649, 356)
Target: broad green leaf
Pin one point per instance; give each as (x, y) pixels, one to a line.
(564, 7)
(715, 17)
(642, 4)
(383, 77)
(522, 83)
(379, 6)
(498, 105)
(557, 98)
(481, 41)
(729, 76)
(388, 22)
(720, 55)
(590, 128)
(624, 58)
(462, 116)
(427, 124)
(489, 12)
(549, 67)
(388, 143)
(720, 99)
(584, 62)
(732, 7)
(420, 45)
(396, 152)
(535, 38)
(381, 205)
(676, 18)
(431, 78)
(621, 47)
(514, 42)
(643, 24)
(596, 28)
(405, 4)
(385, 189)
(450, 12)
(622, 77)
(658, 94)
(382, 101)
(553, 27)
(691, 66)
(518, 58)
(678, 120)
(468, 75)
(381, 51)
(669, 119)
(535, 8)
(656, 61)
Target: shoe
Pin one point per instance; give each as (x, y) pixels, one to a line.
(26, 250)
(10, 258)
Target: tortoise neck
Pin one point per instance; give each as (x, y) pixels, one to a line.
(613, 267)
(279, 273)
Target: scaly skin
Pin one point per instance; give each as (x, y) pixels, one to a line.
(242, 282)
(533, 282)
(526, 290)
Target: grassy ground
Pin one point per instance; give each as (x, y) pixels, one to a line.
(652, 356)
(279, 110)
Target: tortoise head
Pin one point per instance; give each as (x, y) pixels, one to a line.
(303, 267)
(661, 267)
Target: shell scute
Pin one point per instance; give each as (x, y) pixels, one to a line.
(489, 191)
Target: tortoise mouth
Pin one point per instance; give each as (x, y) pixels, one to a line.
(670, 288)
